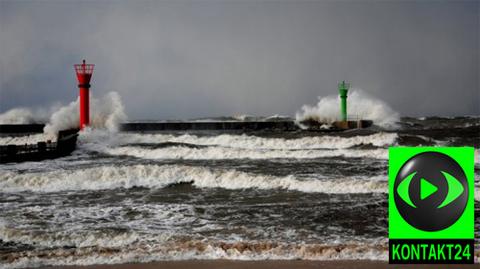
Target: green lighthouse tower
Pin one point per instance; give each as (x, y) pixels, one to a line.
(343, 90)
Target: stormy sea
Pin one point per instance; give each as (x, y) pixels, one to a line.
(145, 196)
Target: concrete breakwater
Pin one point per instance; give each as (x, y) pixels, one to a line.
(171, 126)
(287, 125)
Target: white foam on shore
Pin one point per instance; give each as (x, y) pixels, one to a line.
(200, 250)
(83, 238)
(158, 176)
(158, 253)
(169, 219)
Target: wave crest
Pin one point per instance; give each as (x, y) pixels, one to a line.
(159, 176)
(222, 153)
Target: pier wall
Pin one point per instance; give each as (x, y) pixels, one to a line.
(170, 126)
(21, 128)
(213, 125)
(197, 125)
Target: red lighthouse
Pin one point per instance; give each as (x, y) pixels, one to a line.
(84, 74)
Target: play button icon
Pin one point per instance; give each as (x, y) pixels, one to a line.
(426, 189)
(431, 191)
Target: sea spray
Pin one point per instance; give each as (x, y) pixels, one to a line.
(360, 105)
(106, 113)
(67, 117)
(23, 115)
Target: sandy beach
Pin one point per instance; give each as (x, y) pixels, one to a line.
(231, 264)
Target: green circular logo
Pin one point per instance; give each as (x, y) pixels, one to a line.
(431, 191)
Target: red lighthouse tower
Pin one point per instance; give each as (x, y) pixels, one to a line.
(84, 74)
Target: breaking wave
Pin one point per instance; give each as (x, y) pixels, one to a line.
(222, 153)
(360, 105)
(106, 112)
(228, 146)
(245, 141)
(159, 176)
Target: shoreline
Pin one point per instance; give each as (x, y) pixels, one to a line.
(262, 264)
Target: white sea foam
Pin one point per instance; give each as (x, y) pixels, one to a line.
(243, 117)
(244, 141)
(255, 142)
(85, 238)
(169, 219)
(157, 176)
(277, 117)
(227, 146)
(220, 153)
(360, 105)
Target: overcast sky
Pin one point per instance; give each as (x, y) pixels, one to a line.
(184, 59)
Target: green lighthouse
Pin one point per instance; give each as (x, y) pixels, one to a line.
(343, 90)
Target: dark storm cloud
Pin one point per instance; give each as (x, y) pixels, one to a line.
(184, 59)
